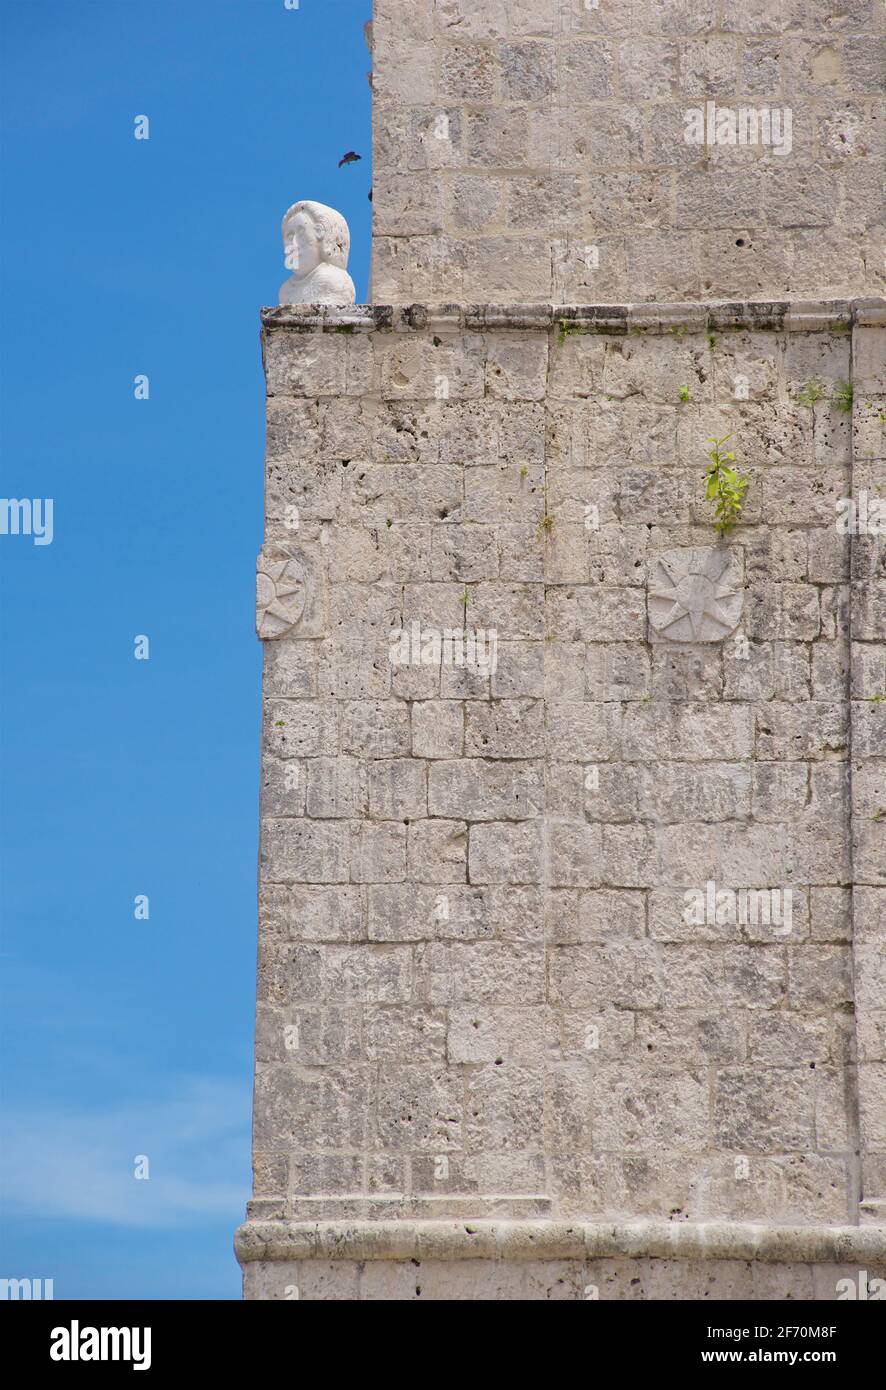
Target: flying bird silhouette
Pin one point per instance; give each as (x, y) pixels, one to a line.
(350, 158)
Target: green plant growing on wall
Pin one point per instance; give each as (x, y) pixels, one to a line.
(566, 329)
(683, 393)
(546, 525)
(814, 391)
(724, 486)
(811, 394)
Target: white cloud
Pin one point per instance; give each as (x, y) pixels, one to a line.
(78, 1163)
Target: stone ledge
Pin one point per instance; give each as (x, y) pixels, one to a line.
(553, 1240)
(870, 312)
(799, 316)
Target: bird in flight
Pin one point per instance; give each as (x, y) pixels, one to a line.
(350, 158)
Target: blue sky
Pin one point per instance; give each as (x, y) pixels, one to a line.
(123, 777)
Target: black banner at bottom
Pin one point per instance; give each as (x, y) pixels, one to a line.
(90, 1338)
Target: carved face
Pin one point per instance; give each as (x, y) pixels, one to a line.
(302, 243)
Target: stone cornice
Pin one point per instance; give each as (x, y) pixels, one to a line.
(827, 315)
(556, 1240)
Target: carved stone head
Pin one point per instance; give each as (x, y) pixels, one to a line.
(313, 235)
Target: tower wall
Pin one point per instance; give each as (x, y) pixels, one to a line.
(572, 917)
(535, 150)
(485, 994)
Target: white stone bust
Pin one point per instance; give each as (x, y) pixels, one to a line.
(316, 242)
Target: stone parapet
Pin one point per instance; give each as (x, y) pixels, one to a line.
(804, 316)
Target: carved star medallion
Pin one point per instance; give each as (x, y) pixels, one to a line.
(280, 595)
(696, 594)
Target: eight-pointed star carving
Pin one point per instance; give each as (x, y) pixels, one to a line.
(695, 594)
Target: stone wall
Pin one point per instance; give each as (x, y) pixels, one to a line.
(534, 150)
(433, 1260)
(572, 938)
(867, 627)
(481, 991)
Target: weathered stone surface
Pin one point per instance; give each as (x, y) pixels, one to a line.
(542, 112)
(531, 1259)
(527, 919)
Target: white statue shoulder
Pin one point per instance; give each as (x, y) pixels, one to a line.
(328, 284)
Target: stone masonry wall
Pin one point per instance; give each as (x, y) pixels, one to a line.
(868, 760)
(479, 991)
(534, 151)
